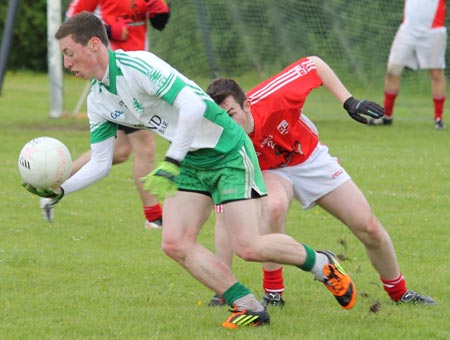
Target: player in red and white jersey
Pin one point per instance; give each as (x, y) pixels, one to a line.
(421, 16)
(296, 165)
(420, 43)
(279, 124)
(125, 20)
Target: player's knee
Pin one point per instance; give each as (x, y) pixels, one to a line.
(375, 232)
(173, 249)
(248, 253)
(437, 75)
(179, 248)
(394, 70)
(276, 212)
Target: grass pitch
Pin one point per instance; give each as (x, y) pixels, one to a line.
(95, 273)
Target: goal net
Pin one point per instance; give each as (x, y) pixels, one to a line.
(236, 38)
(254, 39)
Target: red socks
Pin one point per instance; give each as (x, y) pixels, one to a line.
(153, 212)
(438, 107)
(273, 281)
(395, 288)
(389, 100)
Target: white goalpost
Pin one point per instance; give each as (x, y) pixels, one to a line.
(54, 60)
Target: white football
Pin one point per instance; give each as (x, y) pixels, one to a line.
(44, 162)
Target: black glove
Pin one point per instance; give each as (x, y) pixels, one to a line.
(159, 21)
(357, 108)
(159, 13)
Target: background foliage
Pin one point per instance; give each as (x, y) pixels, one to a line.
(207, 38)
(29, 45)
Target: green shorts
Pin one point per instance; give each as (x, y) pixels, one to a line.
(237, 177)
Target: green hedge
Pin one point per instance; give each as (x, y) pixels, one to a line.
(29, 44)
(259, 36)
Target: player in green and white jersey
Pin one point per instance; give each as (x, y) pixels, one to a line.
(210, 161)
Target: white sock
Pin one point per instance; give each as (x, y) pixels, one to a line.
(317, 270)
(249, 302)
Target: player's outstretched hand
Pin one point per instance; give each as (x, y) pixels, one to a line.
(161, 181)
(54, 194)
(359, 108)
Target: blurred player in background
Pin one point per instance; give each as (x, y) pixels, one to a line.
(210, 161)
(126, 23)
(420, 42)
(296, 165)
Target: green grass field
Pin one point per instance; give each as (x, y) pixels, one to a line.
(96, 273)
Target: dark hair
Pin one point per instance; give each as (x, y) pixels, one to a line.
(221, 88)
(82, 27)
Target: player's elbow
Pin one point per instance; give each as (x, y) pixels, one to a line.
(106, 171)
(103, 169)
(315, 59)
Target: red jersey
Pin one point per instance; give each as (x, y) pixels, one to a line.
(282, 135)
(138, 11)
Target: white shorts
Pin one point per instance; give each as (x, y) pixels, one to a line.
(313, 179)
(423, 52)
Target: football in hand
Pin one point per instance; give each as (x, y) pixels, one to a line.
(44, 162)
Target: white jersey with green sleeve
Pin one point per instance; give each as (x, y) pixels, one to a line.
(139, 91)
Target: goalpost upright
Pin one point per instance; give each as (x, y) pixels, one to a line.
(54, 60)
(5, 44)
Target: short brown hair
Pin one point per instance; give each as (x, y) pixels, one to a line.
(82, 27)
(221, 88)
